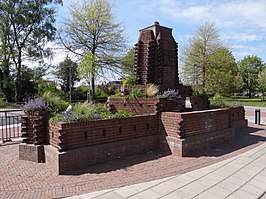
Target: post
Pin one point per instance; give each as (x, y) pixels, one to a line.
(70, 83)
(257, 116)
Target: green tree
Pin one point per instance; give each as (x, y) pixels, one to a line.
(26, 27)
(88, 70)
(128, 63)
(195, 56)
(250, 66)
(67, 74)
(262, 81)
(221, 70)
(92, 29)
(6, 83)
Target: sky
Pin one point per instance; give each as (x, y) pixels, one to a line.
(241, 23)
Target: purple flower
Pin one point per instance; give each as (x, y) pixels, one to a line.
(34, 105)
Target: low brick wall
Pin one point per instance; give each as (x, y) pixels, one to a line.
(237, 117)
(143, 106)
(65, 136)
(34, 127)
(77, 145)
(74, 159)
(33, 153)
(183, 133)
(199, 103)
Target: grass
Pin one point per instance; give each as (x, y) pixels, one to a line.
(245, 101)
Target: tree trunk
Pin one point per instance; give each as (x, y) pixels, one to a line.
(93, 85)
(18, 79)
(250, 91)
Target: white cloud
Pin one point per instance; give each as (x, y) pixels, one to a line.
(230, 14)
(243, 37)
(241, 22)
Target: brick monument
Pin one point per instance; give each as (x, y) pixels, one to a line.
(156, 59)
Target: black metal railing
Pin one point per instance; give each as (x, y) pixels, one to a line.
(10, 124)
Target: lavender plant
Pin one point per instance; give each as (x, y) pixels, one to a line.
(170, 94)
(34, 105)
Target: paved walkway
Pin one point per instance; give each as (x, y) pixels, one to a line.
(250, 114)
(243, 176)
(240, 165)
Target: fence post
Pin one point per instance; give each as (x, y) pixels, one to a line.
(257, 116)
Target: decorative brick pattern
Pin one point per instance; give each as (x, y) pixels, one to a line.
(143, 106)
(34, 127)
(65, 136)
(156, 57)
(184, 133)
(82, 157)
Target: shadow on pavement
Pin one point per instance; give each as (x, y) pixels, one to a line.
(243, 138)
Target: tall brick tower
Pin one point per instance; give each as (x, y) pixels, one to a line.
(156, 59)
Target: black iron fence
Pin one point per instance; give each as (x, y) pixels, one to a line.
(10, 124)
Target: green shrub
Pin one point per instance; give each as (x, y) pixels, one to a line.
(54, 102)
(88, 111)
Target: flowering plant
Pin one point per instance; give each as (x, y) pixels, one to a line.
(34, 105)
(170, 94)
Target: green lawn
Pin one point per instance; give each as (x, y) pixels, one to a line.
(245, 101)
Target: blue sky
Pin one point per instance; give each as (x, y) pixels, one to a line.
(241, 23)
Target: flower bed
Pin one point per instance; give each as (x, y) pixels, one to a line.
(66, 136)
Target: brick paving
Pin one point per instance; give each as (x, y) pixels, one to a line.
(22, 179)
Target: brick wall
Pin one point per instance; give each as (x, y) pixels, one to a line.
(34, 127)
(82, 157)
(65, 136)
(237, 117)
(30, 152)
(184, 133)
(142, 106)
(199, 103)
(186, 124)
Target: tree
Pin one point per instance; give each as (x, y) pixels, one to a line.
(262, 81)
(92, 29)
(26, 27)
(6, 83)
(250, 66)
(221, 70)
(128, 63)
(67, 74)
(195, 56)
(88, 69)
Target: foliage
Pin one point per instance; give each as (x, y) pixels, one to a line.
(108, 89)
(249, 67)
(132, 79)
(88, 111)
(4, 104)
(128, 63)
(25, 27)
(152, 90)
(92, 31)
(136, 93)
(244, 101)
(66, 73)
(204, 52)
(80, 93)
(35, 105)
(221, 70)
(88, 69)
(99, 93)
(54, 102)
(45, 86)
(262, 81)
